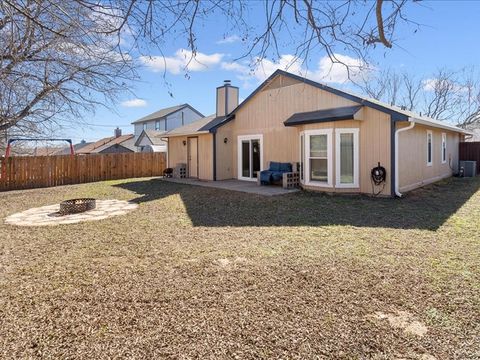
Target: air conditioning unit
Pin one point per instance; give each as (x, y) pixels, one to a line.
(469, 168)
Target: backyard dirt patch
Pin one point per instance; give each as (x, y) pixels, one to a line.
(405, 321)
(196, 272)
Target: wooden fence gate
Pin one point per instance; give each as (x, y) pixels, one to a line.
(28, 172)
(470, 151)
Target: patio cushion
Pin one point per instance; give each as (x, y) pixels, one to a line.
(275, 166)
(265, 177)
(285, 167)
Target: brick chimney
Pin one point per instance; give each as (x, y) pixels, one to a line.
(117, 132)
(227, 98)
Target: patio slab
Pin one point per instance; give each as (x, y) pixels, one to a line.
(236, 185)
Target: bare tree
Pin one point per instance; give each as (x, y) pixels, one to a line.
(56, 62)
(445, 94)
(61, 59)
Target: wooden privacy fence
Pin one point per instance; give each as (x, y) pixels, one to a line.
(28, 172)
(470, 151)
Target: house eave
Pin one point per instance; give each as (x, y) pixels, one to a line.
(193, 133)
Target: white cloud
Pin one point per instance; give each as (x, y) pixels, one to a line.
(229, 39)
(434, 84)
(134, 103)
(340, 70)
(182, 61)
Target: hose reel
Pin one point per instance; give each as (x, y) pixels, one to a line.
(379, 177)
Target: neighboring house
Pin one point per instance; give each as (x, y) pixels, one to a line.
(114, 144)
(151, 141)
(165, 120)
(333, 137)
(76, 148)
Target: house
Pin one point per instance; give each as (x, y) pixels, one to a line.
(76, 148)
(110, 145)
(151, 141)
(334, 138)
(161, 121)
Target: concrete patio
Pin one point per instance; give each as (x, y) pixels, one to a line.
(236, 185)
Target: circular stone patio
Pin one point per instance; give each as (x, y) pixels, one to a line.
(48, 215)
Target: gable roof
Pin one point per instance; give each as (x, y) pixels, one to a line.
(195, 127)
(154, 136)
(333, 114)
(102, 144)
(76, 147)
(127, 141)
(396, 113)
(165, 112)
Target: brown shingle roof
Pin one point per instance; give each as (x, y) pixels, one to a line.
(104, 143)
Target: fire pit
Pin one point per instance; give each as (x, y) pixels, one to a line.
(75, 206)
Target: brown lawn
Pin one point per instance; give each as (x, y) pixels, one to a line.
(202, 273)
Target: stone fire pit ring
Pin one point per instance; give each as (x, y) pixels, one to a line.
(50, 214)
(75, 206)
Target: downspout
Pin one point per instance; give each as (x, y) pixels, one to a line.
(397, 184)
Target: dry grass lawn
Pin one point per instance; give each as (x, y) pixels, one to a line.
(202, 273)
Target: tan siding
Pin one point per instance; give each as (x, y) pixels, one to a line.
(225, 152)
(374, 147)
(177, 154)
(281, 81)
(413, 169)
(205, 157)
(267, 110)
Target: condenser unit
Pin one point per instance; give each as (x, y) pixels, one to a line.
(469, 168)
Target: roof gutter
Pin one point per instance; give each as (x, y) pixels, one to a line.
(397, 132)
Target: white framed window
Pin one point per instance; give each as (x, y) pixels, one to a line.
(444, 148)
(429, 148)
(144, 126)
(346, 158)
(157, 125)
(318, 158)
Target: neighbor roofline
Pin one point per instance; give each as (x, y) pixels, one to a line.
(140, 137)
(182, 106)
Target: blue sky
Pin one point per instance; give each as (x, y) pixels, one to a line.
(447, 38)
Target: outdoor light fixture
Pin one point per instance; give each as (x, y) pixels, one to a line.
(225, 140)
(184, 142)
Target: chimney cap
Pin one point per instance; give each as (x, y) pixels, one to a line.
(227, 82)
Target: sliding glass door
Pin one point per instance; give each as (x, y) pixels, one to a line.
(249, 156)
